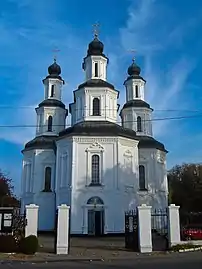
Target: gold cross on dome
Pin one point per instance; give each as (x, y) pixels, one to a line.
(96, 29)
(55, 51)
(133, 52)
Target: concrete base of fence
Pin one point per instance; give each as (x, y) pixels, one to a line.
(145, 249)
(190, 249)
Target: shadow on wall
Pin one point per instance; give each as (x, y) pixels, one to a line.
(119, 191)
(39, 188)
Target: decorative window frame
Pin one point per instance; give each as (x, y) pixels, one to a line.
(92, 97)
(97, 149)
(27, 175)
(51, 164)
(64, 160)
(139, 124)
(44, 179)
(145, 164)
(129, 156)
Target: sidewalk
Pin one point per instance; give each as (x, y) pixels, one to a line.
(85, 249)
(51, 258)
(46, 257)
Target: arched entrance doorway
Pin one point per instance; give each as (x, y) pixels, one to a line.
(95, 216)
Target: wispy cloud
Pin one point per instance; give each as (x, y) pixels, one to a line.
(164, 88)
(150, 28)
(29, 46)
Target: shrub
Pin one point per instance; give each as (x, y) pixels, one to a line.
(8, 244)
(182, 246)
(29, 245)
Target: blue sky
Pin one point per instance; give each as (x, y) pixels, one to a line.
(165, 34)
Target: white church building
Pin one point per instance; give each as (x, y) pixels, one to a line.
(97, 166)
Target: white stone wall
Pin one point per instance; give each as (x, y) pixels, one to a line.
(89, 67)
(59, 119)
(129, 119)
(120, 159)
(64, 164)
(83, 109)
(57, 88)
(131, 89)
(156, 178)
(33, 185)
(115, 180)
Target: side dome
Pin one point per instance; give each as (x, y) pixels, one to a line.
(134, 69)
(54, 69)
(95, 47)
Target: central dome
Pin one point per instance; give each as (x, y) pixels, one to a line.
(54, 69)
(95, 47)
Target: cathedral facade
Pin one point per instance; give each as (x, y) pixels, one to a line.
(97, 166)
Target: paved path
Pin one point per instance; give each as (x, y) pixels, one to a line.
(188, 261)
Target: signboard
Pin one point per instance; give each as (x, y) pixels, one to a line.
(6, 215)
(7, 221)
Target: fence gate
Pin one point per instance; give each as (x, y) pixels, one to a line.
(131, 230)
(159, 224)
(19, 223)
(55, 231)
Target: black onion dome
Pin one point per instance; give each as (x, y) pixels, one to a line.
(134, 70)
(95, 47)
(54, 69)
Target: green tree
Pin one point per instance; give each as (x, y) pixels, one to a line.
(7, 197)
(185, 186)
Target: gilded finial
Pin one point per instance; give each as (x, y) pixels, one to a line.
(55, 50)
(96, 29)
(133, 52)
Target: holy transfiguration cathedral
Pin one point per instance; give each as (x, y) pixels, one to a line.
(98, 167)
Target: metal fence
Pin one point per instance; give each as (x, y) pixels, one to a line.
(131, 230)
(159, 225)
(159, 221)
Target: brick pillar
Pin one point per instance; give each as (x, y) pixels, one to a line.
(62, 246)
(144, 224)
(32, 219)
(173, 225)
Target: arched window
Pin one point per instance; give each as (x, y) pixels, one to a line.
(96, 107)
(47, 187)
(95, 165)
(52, 90)
(136, 91)
(50, 123)
(96, 69)
(139, 124)
(142, 181)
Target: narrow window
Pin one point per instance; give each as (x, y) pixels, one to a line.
(52, 90)
(96, 69)
(47, 187)
(95, 177)
(142, 183)
(50, 123)
(96, 107)
(136, 91)
(139, 124)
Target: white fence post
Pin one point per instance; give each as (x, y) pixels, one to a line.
(32, 219)
(62, 246)
(173, 225)
(144, 224)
